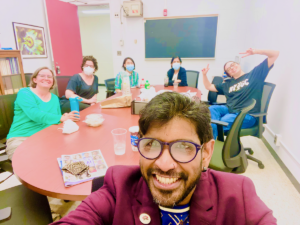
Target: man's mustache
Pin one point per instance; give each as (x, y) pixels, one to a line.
(170, 173)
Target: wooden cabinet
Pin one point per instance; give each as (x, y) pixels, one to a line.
(12, 77)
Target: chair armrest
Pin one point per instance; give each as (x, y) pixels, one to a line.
(5, 213)
(219, 103)
(258, 114)
(224, 124)
(220, 125)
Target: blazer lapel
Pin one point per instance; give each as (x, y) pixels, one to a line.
(143, 203)
(202, 207)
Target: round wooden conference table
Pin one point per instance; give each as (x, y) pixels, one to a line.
(35, 160)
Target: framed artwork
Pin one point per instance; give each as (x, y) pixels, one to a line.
(30, 40)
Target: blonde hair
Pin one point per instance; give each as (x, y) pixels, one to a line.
(34, 75)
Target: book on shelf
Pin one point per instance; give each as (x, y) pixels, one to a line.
(9, 66)
(94, 159)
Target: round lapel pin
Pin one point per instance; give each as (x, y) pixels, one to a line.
(145, 218)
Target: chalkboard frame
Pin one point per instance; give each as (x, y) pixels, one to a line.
(182, 17)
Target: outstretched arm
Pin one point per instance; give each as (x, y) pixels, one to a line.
(209, 86)
(272, 54)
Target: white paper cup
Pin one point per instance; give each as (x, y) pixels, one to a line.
(175, 85)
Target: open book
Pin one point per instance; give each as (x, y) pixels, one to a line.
(94, 159)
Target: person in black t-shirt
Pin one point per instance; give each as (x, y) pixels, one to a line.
(83, 85)
(241, 88)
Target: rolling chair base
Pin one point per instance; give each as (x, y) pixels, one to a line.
(249, 150)
(260, 164)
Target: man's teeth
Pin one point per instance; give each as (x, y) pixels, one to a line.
(165, 180)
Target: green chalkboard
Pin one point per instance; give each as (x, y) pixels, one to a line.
(186, 37)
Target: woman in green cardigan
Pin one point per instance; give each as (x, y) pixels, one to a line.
(35, 109)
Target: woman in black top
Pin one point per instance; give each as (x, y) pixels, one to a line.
(83, 85)
(177, 74)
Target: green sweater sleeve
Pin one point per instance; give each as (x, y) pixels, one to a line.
(27, 102)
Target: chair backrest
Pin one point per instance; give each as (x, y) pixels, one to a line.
(212, 96)
(6, 113)
(192, 78)
(110, 84)
(62, 83)
(233, 152)
(266, 97)
(97, 183)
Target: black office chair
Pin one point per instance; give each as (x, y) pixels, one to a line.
(229, 155)
(212, 96)
(20, 205)
(110, 87)
(261, 117)
(97, 183)
(6, 119)
(192, 78)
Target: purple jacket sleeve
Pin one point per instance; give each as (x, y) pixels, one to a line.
(96, 209)
(255, 209)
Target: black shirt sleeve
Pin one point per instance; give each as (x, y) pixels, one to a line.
(182, 77)
(170, 75)
(219, 88)
(96, 84)
(261, 71)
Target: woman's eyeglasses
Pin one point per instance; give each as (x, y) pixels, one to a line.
(181, 151)
(44, 76)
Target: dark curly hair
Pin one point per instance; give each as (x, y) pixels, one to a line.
(90, 58)
(164, 107)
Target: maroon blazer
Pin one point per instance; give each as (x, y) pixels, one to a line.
(219, 198)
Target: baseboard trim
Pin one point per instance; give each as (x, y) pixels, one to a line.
(287, 172)
(101, 85)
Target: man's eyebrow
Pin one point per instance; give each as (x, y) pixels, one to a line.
(181, 139)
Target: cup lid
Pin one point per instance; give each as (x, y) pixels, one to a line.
(134, 129)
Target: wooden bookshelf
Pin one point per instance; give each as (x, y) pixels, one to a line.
(12, 76)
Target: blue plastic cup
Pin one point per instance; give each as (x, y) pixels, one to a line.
(74, 103)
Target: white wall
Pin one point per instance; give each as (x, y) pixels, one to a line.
(230, 37)
(29, 12)
(95, 32)
(275, 25)
(266, 24)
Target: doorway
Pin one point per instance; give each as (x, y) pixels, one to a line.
(95, 32)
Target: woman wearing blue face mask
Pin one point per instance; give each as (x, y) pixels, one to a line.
(129, 66)
(177, 74)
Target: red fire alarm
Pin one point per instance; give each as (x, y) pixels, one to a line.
(165, 12)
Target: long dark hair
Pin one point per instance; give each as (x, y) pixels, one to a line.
(175, 57)
(125, 62)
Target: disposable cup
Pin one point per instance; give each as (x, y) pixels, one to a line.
(133, 137)
(119, 136)
(175, 85)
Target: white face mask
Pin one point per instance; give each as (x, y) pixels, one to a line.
(69, 127)
(88, 70)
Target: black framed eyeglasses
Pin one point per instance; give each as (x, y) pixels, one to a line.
(181, 151)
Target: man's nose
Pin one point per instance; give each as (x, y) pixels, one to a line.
(165, 161)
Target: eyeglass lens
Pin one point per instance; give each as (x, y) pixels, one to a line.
(181, 151)
(43, 76)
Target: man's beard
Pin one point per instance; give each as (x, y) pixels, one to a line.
(170, 198)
